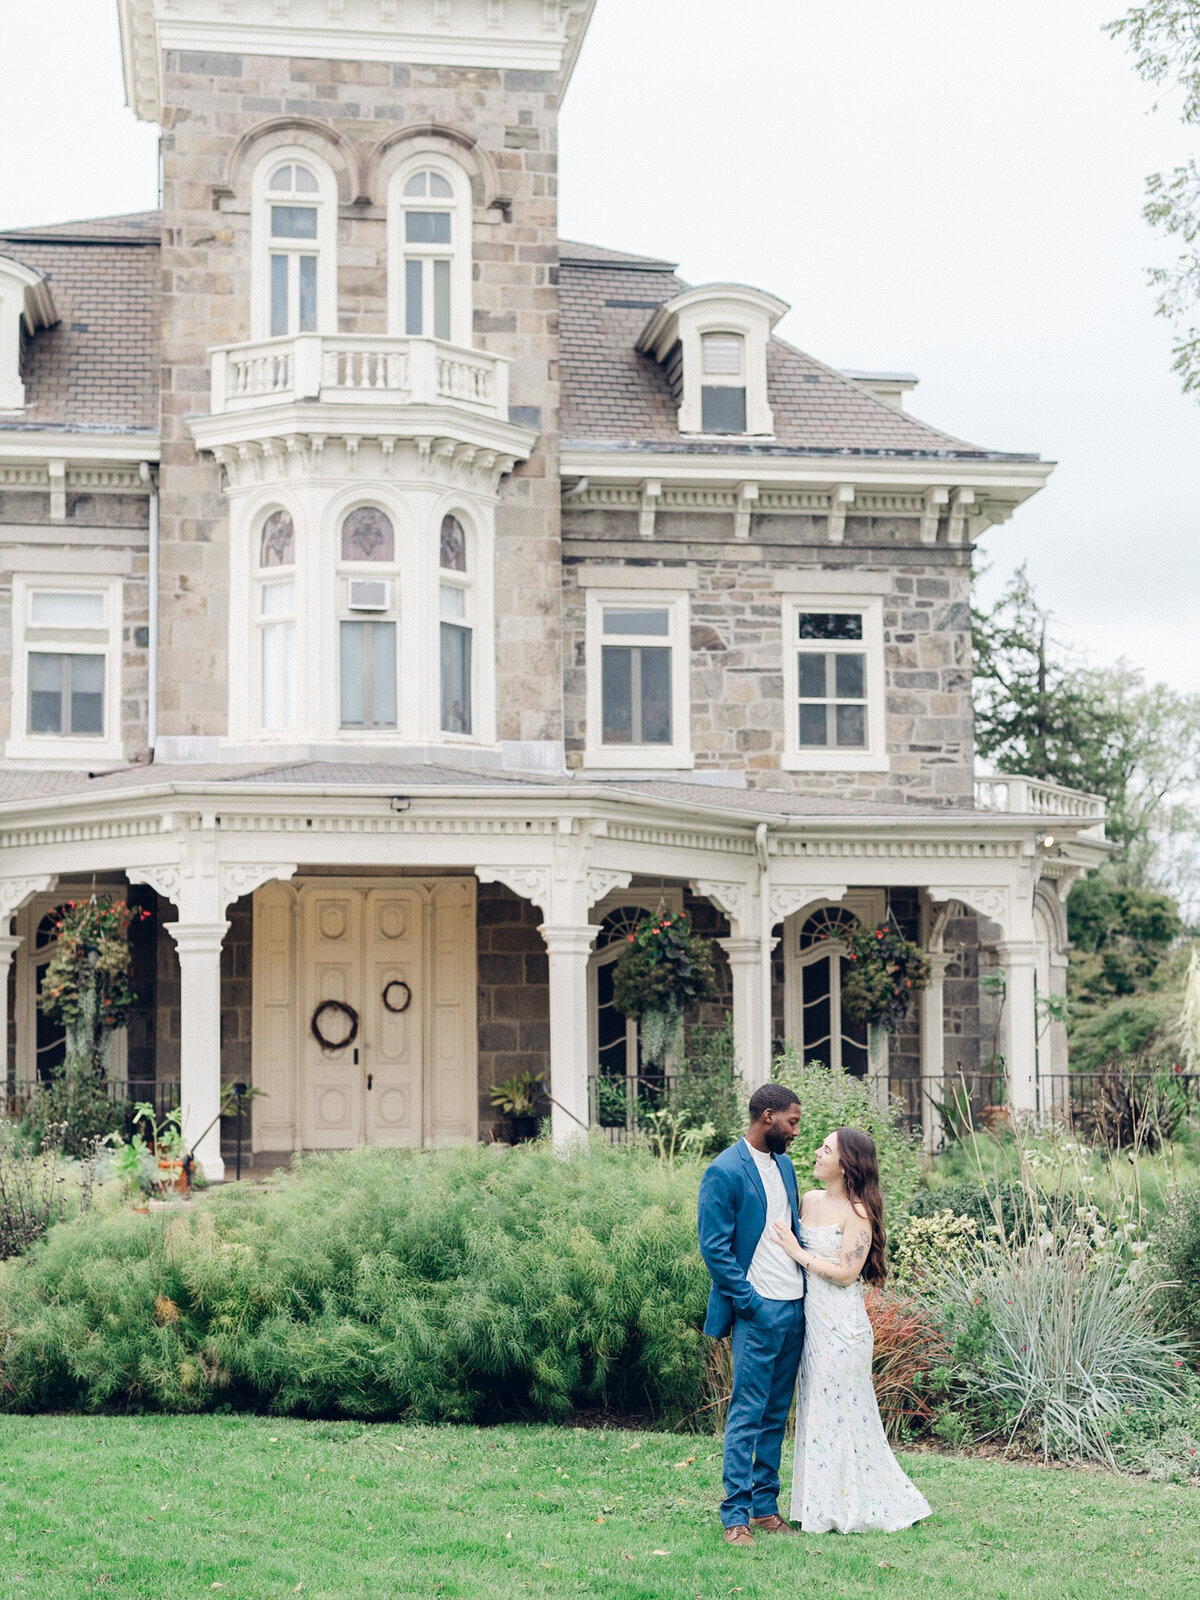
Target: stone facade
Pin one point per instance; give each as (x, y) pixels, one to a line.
(738, 699)
(221, 113)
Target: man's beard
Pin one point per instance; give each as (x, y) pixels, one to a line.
(776, 1141)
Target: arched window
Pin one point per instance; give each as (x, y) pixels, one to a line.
(278, 544)
(457, 629)
(368, 535)
(430, 254)
(827, 1035)
(295, 247)
(367, 666)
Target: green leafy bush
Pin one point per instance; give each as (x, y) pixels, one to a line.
(1163, 1442)
(1001, 1207)
(832, 1099)
(1126, 1028)
(1175, 1252)
(34, 1190)
(709, 1089)
(663, 971)
(458, 1285)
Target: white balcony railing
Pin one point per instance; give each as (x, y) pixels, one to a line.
(357, 370)
(1032, 797)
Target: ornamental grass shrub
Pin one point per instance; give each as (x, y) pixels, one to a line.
(464, 1285)
(1175, 1251)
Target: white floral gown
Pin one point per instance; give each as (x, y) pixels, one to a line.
(846, 1479)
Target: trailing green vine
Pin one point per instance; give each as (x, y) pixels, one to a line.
(886, 970)
(664, 969)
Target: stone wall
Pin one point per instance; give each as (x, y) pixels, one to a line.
(105, 535)
(214, 101)
(737, 655)
(514, 994)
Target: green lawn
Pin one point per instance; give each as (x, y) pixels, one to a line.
(162, 1507)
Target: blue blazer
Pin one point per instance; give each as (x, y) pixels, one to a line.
(733, 1214)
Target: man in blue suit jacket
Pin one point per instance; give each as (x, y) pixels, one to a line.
(758, 1295)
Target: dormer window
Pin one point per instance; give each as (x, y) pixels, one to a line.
(713, 343)
(723, 393)
(26, 304)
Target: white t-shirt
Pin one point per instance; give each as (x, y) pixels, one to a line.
(773, 1272)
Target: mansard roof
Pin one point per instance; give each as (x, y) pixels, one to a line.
(615, 397)
(97, 369)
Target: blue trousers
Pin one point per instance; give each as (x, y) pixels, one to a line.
(766, 1359)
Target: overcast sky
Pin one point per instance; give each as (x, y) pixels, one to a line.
(950, 187)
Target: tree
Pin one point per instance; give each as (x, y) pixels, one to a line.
(1164, 37)
(1041, 710)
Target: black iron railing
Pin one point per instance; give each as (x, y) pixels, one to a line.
(125, 1093)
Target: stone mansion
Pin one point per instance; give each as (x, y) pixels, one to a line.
(397, 601)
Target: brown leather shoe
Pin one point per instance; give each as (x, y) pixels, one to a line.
(740, 1536)
(772, 1524)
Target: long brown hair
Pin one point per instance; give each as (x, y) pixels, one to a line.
(860, 1167)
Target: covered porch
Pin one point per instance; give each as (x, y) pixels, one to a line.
(462, 919)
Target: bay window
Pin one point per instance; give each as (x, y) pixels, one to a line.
(455, 629)
(294, 276)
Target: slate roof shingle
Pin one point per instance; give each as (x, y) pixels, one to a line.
(97, 369)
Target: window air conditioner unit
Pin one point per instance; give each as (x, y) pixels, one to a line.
(370, 594)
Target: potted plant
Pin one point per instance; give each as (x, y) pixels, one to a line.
(156, 1164)
(517, 1097)
(664, 969)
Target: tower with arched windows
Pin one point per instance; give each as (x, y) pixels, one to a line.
(402, 602)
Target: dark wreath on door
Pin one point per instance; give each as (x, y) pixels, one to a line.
(828, 1035)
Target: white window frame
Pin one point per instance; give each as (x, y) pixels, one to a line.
(677, 755)
(459, 250)
(398, 613)
(324, 247)
(466, 584)
(28, 637)
(874, 757)
(271, 578)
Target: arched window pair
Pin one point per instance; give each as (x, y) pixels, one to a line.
(295, 257)
(367, 624)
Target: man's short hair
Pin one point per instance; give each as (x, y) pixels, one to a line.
(771, 1097)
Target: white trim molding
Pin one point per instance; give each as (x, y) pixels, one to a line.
(26, 304)
(676, 756)
(873, 755)
(523, 35)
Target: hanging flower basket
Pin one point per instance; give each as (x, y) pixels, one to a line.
(886, 970)
(86, 985)
(664, 969)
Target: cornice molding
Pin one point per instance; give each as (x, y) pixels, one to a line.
(437, 444)
(81, 452)
(525, 35)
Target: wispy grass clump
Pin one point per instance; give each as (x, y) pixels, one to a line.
(450, 1286)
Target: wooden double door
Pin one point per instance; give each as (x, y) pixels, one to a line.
(399, 956)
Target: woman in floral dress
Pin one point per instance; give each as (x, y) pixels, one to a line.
(846, 1478)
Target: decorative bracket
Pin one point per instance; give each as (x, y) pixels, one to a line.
(166, 879)
(238, 878)
(839, 502)
(727, 897)
(991, 901)
(788, 898)
(935, 500)
(601, 881)
(747, 499)
(14, 892)
(962, 502)
(651, 494)
(527, 883)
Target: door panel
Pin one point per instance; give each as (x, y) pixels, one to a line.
(333, 1079)
(453, 1115)
(393, 1038)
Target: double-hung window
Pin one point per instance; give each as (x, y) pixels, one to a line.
(723, 391)
(430, 252)
(637, 666)
(293, 209)
(457, 633)
(834, 673)
(66, 666)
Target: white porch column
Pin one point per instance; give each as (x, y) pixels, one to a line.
(1019, 1023)
(569, 948)
(199, 947)
(9, 944)
(933, 1052)
(751, 1018)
